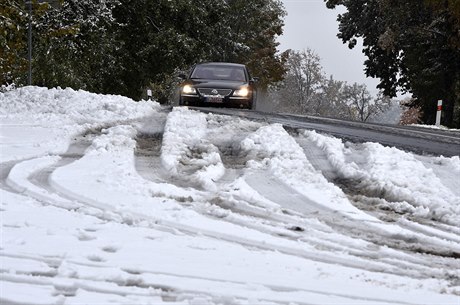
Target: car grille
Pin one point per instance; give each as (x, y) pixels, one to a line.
(209, 91)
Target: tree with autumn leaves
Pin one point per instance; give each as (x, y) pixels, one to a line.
(410, 45)
(124, 46)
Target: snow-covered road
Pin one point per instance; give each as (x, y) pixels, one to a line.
(419, 139)
(109, 201)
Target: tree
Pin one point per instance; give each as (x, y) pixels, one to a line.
(411, 45)
(254, 26)
(164, 36)
(14, 25)
(124, 46)
(361, 105)
(159, 37)
(332, 99)
(390, 114)
(13, 44)
(74, 45)
(306, 90)
(302, 81)
(411, 114)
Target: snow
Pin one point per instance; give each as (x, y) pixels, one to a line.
(184, 145)
(389, 171)
(109, 201)
(441, 127)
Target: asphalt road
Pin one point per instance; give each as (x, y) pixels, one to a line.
(414, 139)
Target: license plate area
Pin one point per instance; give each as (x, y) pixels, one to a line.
(214, 99)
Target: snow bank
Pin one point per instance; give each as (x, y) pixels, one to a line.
(394, 175)
(453, 163)
(58, 106)
(55, 116)
(114, 140)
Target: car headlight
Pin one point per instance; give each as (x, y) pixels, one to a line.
(187, 89)
(243, 92)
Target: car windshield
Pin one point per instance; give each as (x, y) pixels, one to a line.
(231, 73)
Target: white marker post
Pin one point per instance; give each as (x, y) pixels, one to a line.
(149, 94)
(438, 113)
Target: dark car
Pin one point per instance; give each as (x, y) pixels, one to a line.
(218, 84)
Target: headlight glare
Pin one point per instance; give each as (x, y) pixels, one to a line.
(243, 92)
(187, 89)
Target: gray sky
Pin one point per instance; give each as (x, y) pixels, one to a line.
(309, 24)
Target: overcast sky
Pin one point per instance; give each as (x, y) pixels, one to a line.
(309, 24)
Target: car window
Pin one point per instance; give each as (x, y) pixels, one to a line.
(201, 72)
(219, 73)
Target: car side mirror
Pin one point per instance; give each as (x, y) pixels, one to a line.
(255, 80)
(182, 76)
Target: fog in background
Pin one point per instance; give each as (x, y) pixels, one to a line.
(309, 24)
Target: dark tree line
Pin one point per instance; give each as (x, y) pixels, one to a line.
(412, 45)
(124, 46)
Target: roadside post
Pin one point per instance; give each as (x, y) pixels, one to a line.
(438, 113)
(149, 94)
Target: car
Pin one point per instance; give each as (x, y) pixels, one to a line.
(218, 84)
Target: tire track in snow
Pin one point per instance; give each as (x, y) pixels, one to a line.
(36, 184)
(273, 190)
(174, 288)
(350, 228)
(421, 227)
(166, 284)
(234, 160)
(356, 195)
(327, 257)
(40, 179)
(5, 169)
(45, 193)
(148, 166)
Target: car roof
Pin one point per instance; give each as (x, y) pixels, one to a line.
(221, 64)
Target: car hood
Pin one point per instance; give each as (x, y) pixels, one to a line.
(208, 83)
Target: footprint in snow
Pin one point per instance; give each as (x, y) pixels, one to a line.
(82, 236)
(96, 258)
(110, 249)
(90, 229)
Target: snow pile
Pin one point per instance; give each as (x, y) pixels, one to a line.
(452, 163)
(113, 140)
(395, 175)
(56, 116)
(56, 106)
(185, 145)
